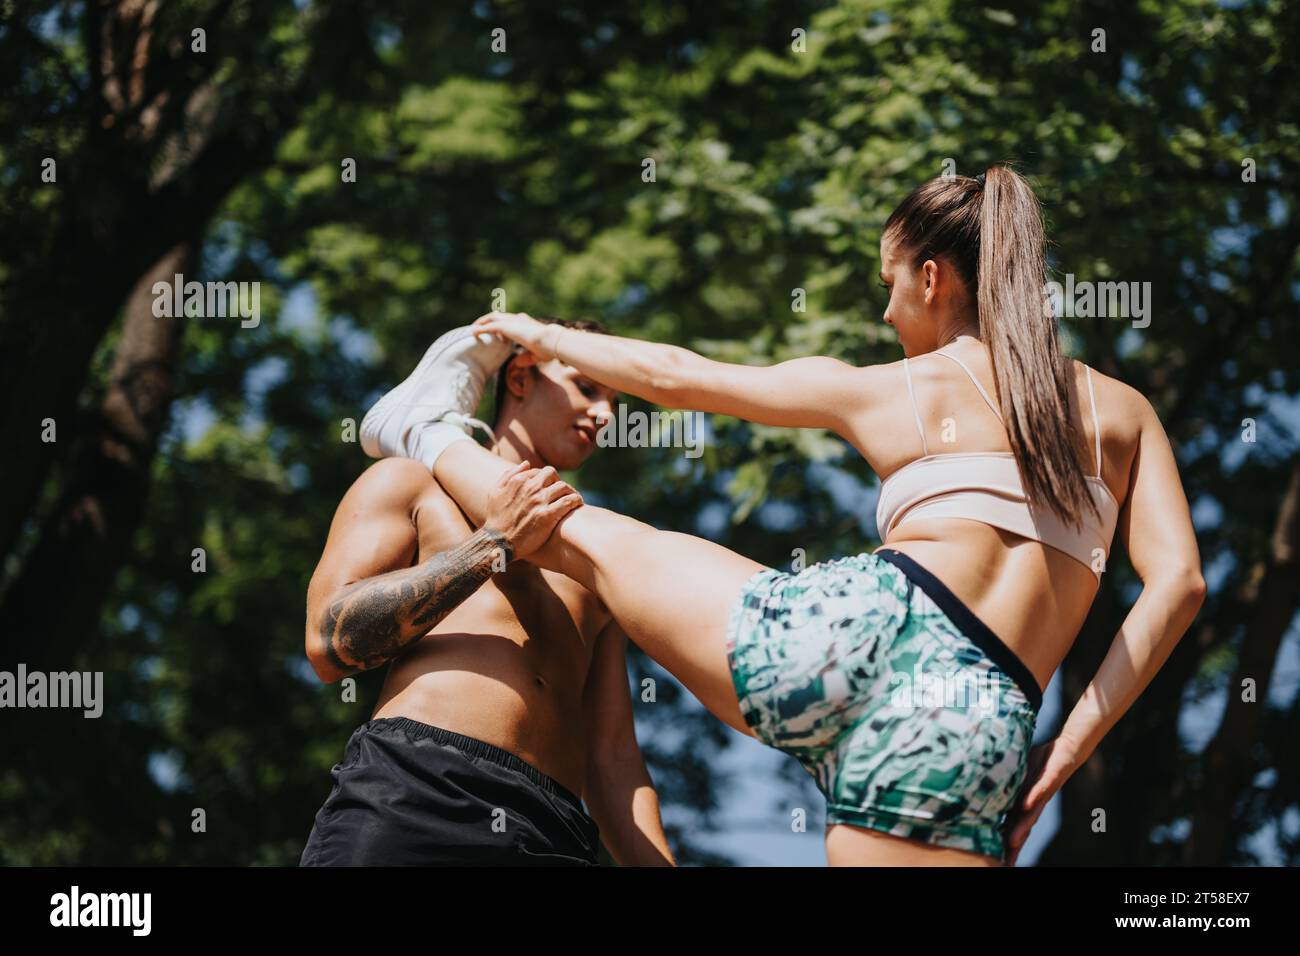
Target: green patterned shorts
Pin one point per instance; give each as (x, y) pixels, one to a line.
(913, 717)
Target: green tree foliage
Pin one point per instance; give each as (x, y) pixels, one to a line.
(781, 136)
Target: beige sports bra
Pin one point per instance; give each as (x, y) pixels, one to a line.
(986, 487)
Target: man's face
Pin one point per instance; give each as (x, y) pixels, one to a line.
(560, 409)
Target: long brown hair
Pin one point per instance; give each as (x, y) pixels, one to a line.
(991, 230)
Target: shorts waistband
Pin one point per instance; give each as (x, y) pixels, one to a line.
(970, 625)
(474, 747)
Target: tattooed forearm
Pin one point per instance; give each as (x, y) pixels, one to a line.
(374, 619)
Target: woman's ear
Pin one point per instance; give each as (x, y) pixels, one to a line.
(931, 270)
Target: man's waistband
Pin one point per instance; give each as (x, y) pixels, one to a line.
(473, 747)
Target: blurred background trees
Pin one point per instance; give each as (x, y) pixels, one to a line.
(781, 136)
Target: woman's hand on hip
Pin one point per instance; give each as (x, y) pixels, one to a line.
(1050, 764)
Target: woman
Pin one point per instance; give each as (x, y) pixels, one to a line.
(1006, 470)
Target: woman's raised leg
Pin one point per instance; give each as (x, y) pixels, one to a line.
(672, 593)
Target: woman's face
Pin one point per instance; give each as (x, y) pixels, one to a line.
(911, 298)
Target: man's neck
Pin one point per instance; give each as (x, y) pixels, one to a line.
(513, 444)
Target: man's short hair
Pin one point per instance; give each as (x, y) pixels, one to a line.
(499, 394)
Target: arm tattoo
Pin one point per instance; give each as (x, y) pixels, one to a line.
(373, 620)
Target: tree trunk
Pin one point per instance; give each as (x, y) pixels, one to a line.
(1228, 765)
(163, 149)
(57, 596)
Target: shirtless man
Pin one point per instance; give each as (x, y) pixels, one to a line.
(507, 696)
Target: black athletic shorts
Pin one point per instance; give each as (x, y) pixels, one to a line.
(408, 794)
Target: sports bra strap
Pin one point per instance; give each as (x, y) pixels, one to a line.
(974, 381)
(915, 414)
(1096, 428)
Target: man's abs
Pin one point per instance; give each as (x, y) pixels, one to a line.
(507, 667)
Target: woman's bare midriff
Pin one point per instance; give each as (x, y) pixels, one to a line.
(1032, 596)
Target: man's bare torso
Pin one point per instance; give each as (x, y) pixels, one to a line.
(509, 665)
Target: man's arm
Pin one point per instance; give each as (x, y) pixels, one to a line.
(619, 793)
(366, 602)
(369, 622)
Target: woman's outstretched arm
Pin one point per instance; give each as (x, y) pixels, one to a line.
(815, 392)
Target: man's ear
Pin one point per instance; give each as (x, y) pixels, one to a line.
(519, 374)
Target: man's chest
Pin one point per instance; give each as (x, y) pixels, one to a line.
(539, 600)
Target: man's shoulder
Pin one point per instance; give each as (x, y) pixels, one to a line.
(399, 484)
(397, 481)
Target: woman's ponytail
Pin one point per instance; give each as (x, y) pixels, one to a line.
(1032, 376)
(990, 228)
